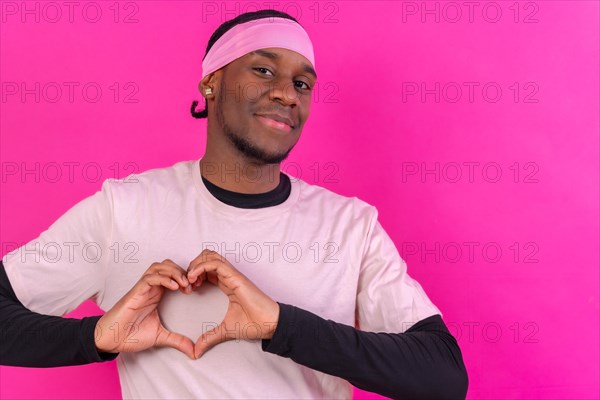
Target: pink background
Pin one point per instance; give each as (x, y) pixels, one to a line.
(527, 322)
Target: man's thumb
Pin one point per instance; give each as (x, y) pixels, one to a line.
(175, 340)
(209, 339)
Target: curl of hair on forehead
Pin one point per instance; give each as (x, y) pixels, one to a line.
(224, 27)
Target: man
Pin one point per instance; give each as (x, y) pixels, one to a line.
(243, 285)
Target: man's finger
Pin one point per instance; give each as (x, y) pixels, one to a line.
(205, 255)
(195, 277)
(220, 268)
(175, 340)
(210, 339)
(160, 280)
(172, 270)
(212, 277)
(200, 269)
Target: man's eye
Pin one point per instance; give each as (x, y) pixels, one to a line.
(305, 84)
(262, 68)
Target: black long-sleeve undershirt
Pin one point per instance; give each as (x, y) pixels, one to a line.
(30, 339)
(423, 362)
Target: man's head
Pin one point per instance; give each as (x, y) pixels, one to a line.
(258, 69)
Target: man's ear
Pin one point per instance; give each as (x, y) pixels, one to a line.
(208, 83)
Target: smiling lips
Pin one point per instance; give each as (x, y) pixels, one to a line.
(276, 121)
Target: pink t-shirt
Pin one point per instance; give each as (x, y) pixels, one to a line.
(318, 250)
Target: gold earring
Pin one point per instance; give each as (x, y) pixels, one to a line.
(208, 91)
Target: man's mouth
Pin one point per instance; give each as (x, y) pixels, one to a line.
(276, 121)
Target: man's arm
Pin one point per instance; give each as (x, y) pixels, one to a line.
(30, 339)
(47, 278)
(423, 362)
(379, 354)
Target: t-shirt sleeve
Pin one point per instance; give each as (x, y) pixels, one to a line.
(66, 264)
(388, 299)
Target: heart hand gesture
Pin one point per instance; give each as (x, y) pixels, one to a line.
(251, 314)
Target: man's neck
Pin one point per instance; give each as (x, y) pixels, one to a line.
(238, 175)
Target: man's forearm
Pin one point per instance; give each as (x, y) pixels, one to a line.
(423, 362)
(29, 339)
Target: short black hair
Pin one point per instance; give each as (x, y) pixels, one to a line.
(224, 27)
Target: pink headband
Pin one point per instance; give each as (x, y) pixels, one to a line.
(257, 34)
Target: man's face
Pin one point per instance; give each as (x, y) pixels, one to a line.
(267, 81)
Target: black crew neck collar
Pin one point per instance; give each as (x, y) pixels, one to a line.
(252, 200)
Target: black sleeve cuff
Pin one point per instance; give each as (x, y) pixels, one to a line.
(279, 343)
(88, 342)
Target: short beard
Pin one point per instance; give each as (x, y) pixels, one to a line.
(251, 151)
(246, 147)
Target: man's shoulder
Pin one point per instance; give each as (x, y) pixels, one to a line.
(156, 179)
(333, 202)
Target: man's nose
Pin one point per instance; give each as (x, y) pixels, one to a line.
(285, 91)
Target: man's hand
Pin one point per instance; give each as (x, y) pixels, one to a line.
(251, 314)
(133, 323)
